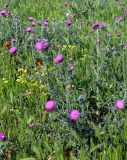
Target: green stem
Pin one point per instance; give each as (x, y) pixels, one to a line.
(97, 72)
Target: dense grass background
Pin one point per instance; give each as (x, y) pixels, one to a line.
(98, 80)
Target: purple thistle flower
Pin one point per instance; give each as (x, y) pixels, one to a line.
(2, 136)
(71, 68)
(118, 35)
(119, 18)
(6, 5)
(119, 104)
(95, 25)
(74, 115)
(45, 22)
(98, 41)
(13, 40)
(8, 12)
(29, 29)
(45, 44)
(65, 110)
(59, 58)
(50, 105)
(33, 24)
(12, 50)
(30, 19)
(39, 46)
(42, 45)
(122, 5)
(125, 12)
(123, 44)
(31, 125)
(68, 22)
(103, 25)
(3, 13)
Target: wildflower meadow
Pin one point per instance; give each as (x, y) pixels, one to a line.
(63, 83)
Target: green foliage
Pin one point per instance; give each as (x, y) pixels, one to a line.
(98, 80)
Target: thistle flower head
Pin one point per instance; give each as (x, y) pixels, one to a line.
(71, 68)
(6, 4)
(45, 44)
(119, 104)
(33, 24)
(12, 50)
(103, 25)
(45, 22)
(59, 58)
(95, 26)
(29, 29)
(39, 46)
(3, 13)
(8, 12)
(50, 105)
(68, 22)
(13, 40)
(30, 19)
(2, 136)
(74, 115)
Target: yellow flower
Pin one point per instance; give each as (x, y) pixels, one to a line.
(6, 81)
(35, 69)
(72, 46)
(44, 72)
(84, 50)
(22, 70)
(36, 73)
(17, 110)
(64, 47)
(21, 80)
(84, 58)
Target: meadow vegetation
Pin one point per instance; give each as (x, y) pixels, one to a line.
(63, 83)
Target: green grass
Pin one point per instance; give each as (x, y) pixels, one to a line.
(99, 79)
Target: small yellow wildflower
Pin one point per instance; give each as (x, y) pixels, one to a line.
(22, 70)
(84, 50)
(84, 58)
(21, 80)
(71, 46)
(6, 81)
(44, 72)
(35, 69)
(17, 110)
(64, 46)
